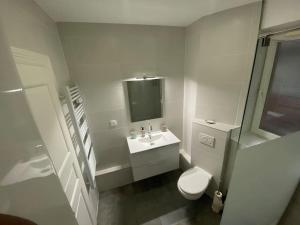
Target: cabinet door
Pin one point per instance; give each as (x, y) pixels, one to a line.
(150, 163)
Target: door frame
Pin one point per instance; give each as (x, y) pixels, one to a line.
(263, 91)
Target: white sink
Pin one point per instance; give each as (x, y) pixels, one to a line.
(158, 139)
(150, 141)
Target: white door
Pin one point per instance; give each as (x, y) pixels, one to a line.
(39, 85)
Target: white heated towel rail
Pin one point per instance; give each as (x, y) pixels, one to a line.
(77, 115)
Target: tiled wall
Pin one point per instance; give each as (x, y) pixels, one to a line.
(100, 56)
(219, 56)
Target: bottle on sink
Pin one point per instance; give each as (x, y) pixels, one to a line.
(143, 131)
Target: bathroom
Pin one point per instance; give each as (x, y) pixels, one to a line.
(161, 163)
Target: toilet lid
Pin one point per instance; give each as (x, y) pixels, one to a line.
(193, 181)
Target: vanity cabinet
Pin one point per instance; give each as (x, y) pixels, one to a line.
(155, 161)
(150, 158)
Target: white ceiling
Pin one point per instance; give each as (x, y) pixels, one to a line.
(149, 12)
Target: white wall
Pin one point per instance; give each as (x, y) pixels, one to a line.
(264, 179)
(218, 61)
(100, 56)
(280, 13)
(28, 27)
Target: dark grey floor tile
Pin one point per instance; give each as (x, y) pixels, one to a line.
(153, 222)
(187, 221)
(174, 216)
(154, 201)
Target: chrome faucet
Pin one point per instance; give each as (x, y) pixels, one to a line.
(149, 132)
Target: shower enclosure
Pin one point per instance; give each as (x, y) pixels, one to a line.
(267, 165)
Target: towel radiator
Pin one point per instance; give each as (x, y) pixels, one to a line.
(80, 133)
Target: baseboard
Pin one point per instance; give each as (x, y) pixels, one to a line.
(184, 160)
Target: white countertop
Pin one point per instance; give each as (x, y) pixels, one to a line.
(218, 126)
(166, 138)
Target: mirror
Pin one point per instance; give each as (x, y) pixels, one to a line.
(144, 98)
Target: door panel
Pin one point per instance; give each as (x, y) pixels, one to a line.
(82, 213)
(46, 120)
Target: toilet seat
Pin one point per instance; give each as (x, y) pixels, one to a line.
(194, 181)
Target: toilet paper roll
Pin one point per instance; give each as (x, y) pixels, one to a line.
(217, 204)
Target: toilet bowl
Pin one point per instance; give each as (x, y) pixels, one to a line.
(193, 183)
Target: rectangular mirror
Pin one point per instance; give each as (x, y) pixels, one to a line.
(144, 98)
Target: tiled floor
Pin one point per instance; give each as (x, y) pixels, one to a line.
(154, 201)
(291, 214)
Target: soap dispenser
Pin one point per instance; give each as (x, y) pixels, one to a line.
(143, 131)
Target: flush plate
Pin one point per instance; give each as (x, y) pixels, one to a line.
(207, 139)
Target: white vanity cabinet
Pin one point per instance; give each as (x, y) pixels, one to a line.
(155, 161)
(150, 158)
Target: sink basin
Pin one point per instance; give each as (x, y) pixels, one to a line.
(158, 139)
(150, 141)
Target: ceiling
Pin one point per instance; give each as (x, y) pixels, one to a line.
(149, 12)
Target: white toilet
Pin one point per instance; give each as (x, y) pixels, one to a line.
(193, 183)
